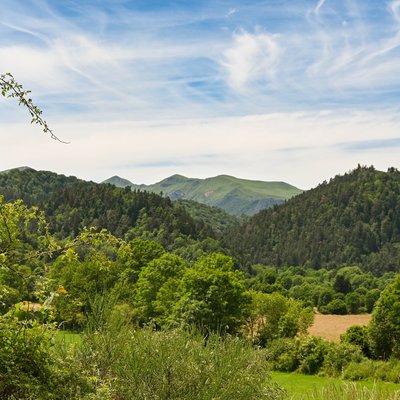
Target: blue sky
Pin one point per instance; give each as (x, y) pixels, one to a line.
(274, 90)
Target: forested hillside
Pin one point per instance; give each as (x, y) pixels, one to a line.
(70, 204)
(352, 219)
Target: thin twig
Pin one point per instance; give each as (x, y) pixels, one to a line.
(7, 85)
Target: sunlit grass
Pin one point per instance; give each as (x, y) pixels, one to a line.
(68, 338)
(311, 387)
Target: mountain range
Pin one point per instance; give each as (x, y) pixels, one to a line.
(235, 196)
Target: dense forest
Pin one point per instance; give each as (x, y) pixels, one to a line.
(70, 204)
(352, 219)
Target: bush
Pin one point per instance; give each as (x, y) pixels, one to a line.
(371, 369)
(281, 355)
(336, 306)
(25, 364)
(305, 355)
(174, 364)
(311, 353)
(357, 335)
(339, 356)
(226, 369)
(29, 369)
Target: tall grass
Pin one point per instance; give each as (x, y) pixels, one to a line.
(129, 363)
(181, 365)
(352, 391)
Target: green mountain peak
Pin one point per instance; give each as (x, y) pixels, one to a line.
(235, 195)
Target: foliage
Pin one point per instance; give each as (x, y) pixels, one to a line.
(29, 369)
(358, 336)
(385, 324)
(311, 355)
(153, 368)
(339, 356)
(219, 219)
(145, 363)
(25, 361)
(316, 288)
(157, 289)
(274, 316)
(25, 245)
(353, 219)
(336, 306)
(10, 88)
(71, 204)
(371, 369)
(214, 296)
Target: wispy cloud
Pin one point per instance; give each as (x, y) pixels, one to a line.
(336, 53)
(376, 144)
(300, 148)
(252, 58)
(275, 90)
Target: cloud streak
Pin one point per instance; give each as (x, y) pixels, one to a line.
(300, 148)
(293, 91)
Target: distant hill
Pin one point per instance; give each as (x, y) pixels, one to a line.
(118, 182)
(236, 196)
(16, 169)
(353, 219)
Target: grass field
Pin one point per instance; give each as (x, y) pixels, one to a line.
(330, 327)
(68, 338)
(300, 387)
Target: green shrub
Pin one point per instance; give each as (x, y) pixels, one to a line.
(25, 365)
(371, 369)
(339, 356)
(281, 355)
(305, 354)
(179, 364)
(220, 368)
(336, 306)
(357, 335)
(30, 369)
(311, 353)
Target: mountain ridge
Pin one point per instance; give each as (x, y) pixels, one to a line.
(236, 196)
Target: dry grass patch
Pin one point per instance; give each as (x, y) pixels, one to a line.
(330, 327)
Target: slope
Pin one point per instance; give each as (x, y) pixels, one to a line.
(353, 219)
(118, 182)
(70, 204)
(234, 195)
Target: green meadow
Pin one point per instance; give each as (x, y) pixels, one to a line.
(306, 387)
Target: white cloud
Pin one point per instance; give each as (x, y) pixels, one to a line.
(395, 9)
(251, 58)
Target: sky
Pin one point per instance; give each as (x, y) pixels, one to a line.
(275, 90)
